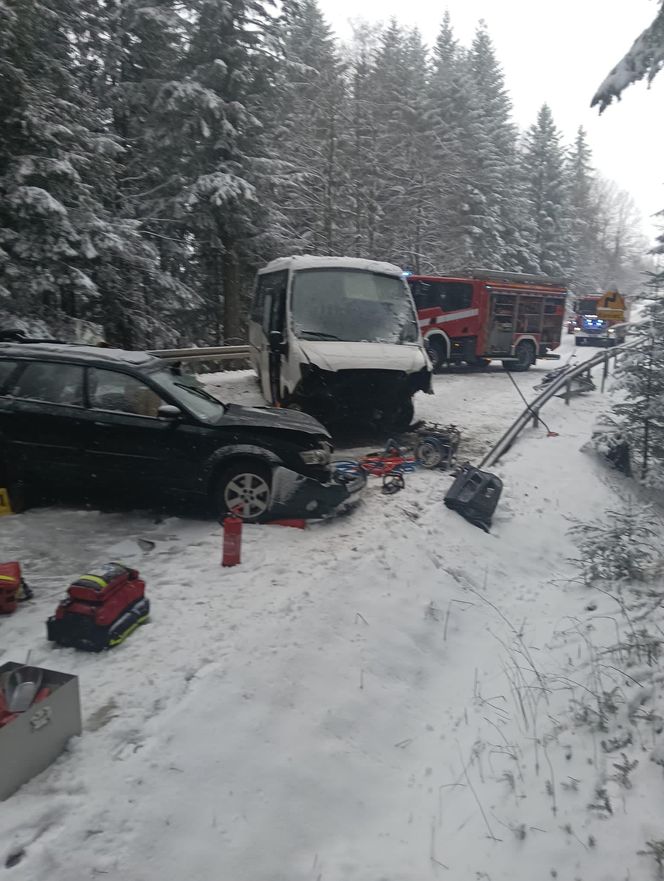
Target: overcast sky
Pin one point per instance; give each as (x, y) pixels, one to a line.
(558, 52)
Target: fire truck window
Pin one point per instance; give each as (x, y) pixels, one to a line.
(450, 296)
(529, 315)
(457, 296)
(424, 294)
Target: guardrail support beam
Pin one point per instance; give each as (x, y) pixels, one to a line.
(605, 371)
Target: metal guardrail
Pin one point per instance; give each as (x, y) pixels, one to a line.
(564, 382)
(213, 353)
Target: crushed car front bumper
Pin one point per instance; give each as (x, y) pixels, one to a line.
(295, 496)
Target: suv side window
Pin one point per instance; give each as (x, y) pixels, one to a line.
(6, 370)
(121, 393)
(50, 382)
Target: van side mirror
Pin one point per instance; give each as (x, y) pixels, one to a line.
(276, 340)
(168, 411)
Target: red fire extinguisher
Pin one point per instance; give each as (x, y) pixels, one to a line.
(232, 541)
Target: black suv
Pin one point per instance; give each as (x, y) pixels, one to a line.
(77, 417)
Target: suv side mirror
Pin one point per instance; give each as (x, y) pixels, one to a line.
(168, 411)
(276, 340)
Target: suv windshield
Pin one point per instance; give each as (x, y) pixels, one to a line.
(352, 306)
(191, 394)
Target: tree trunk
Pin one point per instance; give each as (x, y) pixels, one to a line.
(230, 272)
(330, 182)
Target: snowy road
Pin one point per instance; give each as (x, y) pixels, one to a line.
(361, 701)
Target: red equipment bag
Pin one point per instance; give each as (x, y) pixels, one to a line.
(100, 610)
(98, 587)
(10, 586)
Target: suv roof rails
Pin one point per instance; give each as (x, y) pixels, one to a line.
(18, 336)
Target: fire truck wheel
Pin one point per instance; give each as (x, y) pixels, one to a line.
(525, 353)
(437, 354)
(244, 487)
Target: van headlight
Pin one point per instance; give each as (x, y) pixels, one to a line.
(316, 457)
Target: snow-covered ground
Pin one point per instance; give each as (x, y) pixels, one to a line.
(385, 696)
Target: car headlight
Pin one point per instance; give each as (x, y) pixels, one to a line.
(611, 330)
(316, 457)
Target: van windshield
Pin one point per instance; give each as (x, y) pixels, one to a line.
(352, 305)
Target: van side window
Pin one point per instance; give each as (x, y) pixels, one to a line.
(270, 290)
(6, 370)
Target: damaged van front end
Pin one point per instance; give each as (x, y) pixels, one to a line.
(338, 338)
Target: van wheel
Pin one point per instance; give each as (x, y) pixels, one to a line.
(437, 352)
(244, 488)
(525, 355)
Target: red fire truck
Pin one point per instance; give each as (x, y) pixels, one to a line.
(477, 316)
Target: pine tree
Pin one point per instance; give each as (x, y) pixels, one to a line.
(448, 98)
(641, 409)
(644, 59)
(63, 251)
(586, 252)
(359, 210)
(423, 178)
(402, 147)
(308, 128)
(207, 145)
(543, 170)
(506, 201)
